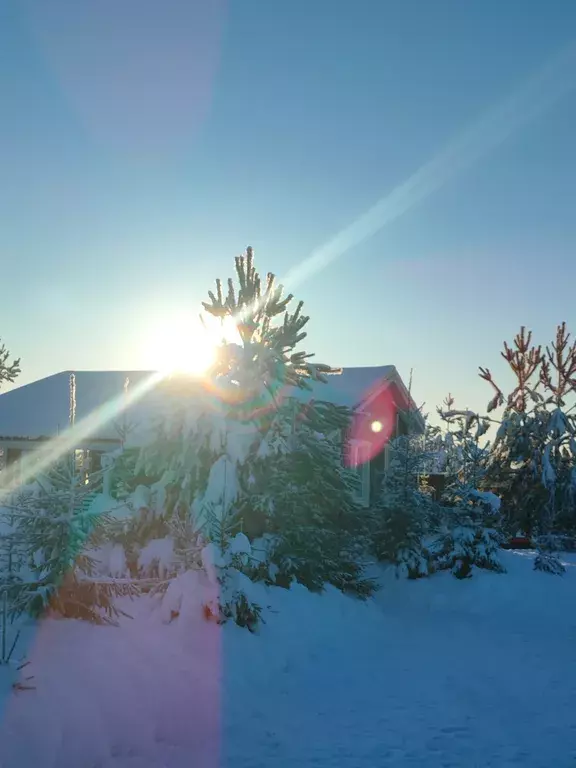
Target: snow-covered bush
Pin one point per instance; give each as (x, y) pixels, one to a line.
(549, 563)
(224, 561)
(547, 560)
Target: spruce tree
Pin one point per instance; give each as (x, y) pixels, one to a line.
(57, 529)
(404, 513)
(293, 464)
(470, 533)
(299, 500)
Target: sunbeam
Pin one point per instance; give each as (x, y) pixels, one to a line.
(537, 95)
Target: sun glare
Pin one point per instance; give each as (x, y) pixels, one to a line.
(181, 346)
(186, 354)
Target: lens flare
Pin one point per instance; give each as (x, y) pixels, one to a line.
(374, 425)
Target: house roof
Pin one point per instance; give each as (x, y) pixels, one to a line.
(348, 388)
(41, 408)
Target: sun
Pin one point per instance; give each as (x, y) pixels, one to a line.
(180, 345)
(186, 354)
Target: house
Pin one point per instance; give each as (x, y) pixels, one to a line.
(33, 414)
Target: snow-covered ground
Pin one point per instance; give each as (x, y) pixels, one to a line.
(431, 673)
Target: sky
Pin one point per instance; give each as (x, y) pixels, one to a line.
(143, 145)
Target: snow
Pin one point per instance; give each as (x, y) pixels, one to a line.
(221, 491)
(212, 558)
(140, 498)
(102, 503)
(437, 672)
(240, 545)
(112, 560)
(488, 498)
(158, 552)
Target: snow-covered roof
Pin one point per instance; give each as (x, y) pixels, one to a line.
(41, 408)
(348, 388)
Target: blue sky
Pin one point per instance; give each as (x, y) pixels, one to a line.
(144, 144)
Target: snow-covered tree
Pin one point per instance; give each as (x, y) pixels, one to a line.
(56, 528)
(405, 511)
(534, 456)
(242, 454)
(469, 535)
(48, 529)
(299, 501)
(293, 487)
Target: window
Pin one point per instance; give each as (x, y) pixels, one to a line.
(359, 459)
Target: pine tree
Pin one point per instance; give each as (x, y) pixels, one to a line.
(292, 486)
(252, 372)
(512, 469)
(533, 460)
